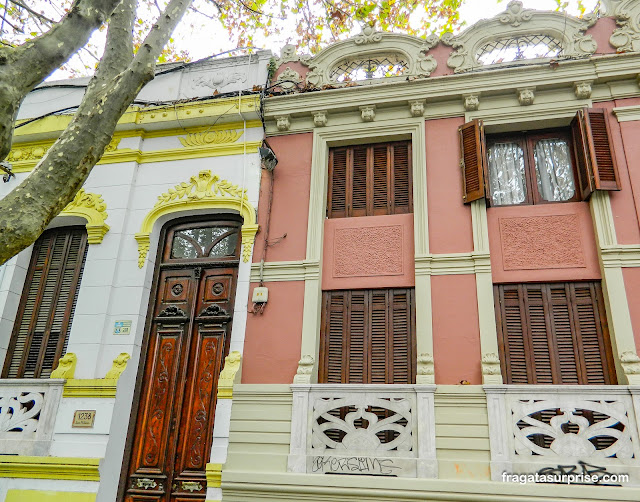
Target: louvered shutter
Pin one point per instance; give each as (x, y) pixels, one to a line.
(368, 336)
(368, 180)
(43, 323)
(553, 334)
(337, 204)
(596, 160)
(473, 160)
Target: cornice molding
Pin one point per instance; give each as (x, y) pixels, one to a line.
(627, 113)
(146, 157)
(154, 119)
(75, 468)
(621, 255)
(613, 76)
(452, 264)
(278, 271)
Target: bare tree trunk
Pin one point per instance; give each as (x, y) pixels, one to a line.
(25, 66)
(26, 211)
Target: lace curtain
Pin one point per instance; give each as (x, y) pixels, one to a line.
(554, 173)
(506, 173)
(553, 169)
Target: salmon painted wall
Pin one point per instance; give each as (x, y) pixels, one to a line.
(290, 208)
(450, 228)
(273, 338)
(632, 287)
(456, 335)
(623, 205)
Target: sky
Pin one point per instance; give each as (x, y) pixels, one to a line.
(201, 43)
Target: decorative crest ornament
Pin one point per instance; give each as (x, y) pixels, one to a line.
(203, 191)
(416, 107)
(204, 138)
(283, 122)
(320, 118)
(582, 90)
(515, 14)
(368, 113)
(92, 208)
(172, 311)
(471, 102)
(369, 35)
(626, 38)
(288, 79)
(288, 54)
(66, 366)
(526, 96)
(214, 310)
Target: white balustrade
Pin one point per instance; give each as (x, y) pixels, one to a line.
(363, 429)
(28, 409)
(555, 430)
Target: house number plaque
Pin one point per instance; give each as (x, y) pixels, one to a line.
(84, 418)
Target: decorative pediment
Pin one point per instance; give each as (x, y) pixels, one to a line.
(369, 58)
(204, 191)
(92, 208)
(520, 34)
(626, 38)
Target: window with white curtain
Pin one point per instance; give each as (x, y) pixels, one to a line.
(531, 168)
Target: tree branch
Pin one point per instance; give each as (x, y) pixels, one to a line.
(25, 66)
(26, 211)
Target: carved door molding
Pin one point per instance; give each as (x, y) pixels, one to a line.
(188, 327)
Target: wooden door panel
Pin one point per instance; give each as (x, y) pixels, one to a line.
(197, 418)
(187, 343)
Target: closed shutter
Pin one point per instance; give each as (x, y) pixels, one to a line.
(595, 158)
(41, 330)
(368, 180)
(473, 160)
(553, 334)
(368, 336)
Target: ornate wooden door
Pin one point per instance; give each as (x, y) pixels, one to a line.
(195, 286)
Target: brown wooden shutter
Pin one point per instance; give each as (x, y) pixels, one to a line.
(473, 160)
(43, 322)
(337, 204)
(368, 336)
(553, 334)
(595, 158)
(368, 180)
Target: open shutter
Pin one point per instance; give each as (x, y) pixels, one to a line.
(43, 322)
(596, 160)
(512, 329)
(473, 160)
(402, 178)
(402, 354)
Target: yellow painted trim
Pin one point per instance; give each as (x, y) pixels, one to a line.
(229, 375)
(66, 366)
(97, 387)
(146, 157)
(82, 469)
(204, 191)
(48, 496)
(214, 475)
(52, 126)
(90, 387)
(92, 208)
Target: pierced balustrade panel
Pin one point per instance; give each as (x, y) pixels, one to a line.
(368, 68)
(544, 429)
(519, 48)
(27, 415)
(384, 430)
